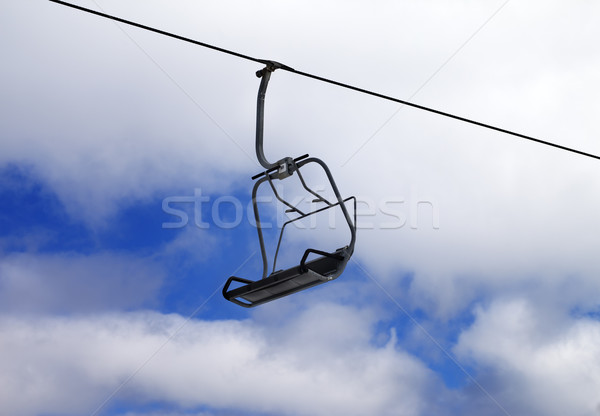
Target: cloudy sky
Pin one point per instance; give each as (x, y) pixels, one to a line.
(125, 165)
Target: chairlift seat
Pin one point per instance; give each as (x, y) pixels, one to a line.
(324, 268)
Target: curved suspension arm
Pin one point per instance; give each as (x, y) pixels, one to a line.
(265, 74)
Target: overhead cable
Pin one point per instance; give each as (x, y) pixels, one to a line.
(327, 80)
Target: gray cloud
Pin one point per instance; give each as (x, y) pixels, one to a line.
(72, 283)
(538, 367)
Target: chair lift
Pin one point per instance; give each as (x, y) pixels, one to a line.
(326, 266)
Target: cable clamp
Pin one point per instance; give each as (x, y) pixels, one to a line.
(271, 66)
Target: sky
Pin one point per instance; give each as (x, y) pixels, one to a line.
(125, 177)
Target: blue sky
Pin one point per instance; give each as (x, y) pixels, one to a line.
(474, 286)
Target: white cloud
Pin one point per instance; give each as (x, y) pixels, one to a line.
(541, 362)
(323, 363)
(101, 124)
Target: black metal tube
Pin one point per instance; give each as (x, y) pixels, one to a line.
(261, 240)
(260, 119)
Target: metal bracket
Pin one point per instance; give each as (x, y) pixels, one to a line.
(286, 168)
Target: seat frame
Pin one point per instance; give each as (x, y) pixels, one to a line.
(279, 283)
